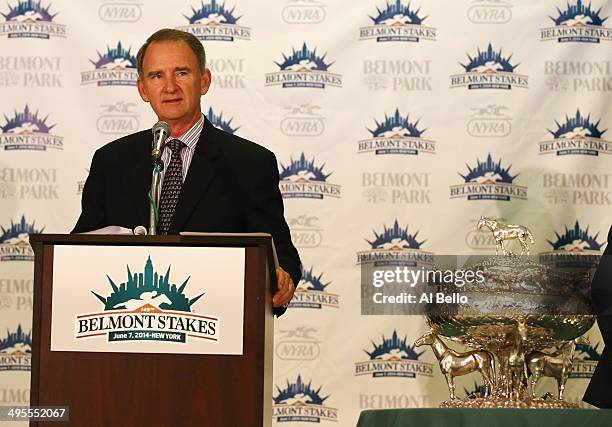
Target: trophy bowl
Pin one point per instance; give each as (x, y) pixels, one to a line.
(521, 322)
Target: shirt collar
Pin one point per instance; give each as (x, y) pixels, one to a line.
(192, 135)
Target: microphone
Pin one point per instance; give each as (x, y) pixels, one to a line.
(161, 132)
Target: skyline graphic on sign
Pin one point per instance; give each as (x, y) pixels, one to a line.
(393, 348)
(396, 126)
(149, 288)
(26, 122)
(304, 60)
(303, 170)
(489, 61)
(489, 172)
(117, 58)
(575, 240)
(395, 237)
(29, 11)
(213, 13)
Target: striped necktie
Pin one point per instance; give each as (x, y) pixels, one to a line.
(171, 187)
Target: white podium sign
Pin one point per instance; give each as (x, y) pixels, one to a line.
(137, 299)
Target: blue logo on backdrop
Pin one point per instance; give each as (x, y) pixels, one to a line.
(585, 360)
(304, 68)
(398, 22)
(30, 19)
(578, 135)
(215, 21)
(218, 121)
(311, 292)
(489, 180)
(475, 392)
(577, 23)
(14, 243)
(301, 402)
(397, 135)
(28, 131)
(393, 357)
(489, 69)
(116, 67)
(576, 248)
(303, 179)
(395, 246)
(16, 351)
(576, 240)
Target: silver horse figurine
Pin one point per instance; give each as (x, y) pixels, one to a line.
(503, 232)
(557, 365)
(454, 364)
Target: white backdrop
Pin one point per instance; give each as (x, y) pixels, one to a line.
(372, 59)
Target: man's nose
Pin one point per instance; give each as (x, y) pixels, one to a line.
(170, 84)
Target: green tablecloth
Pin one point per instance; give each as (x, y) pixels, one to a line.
(435, 417)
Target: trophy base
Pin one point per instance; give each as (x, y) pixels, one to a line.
(498, 402)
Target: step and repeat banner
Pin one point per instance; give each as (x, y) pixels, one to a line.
(395, 124)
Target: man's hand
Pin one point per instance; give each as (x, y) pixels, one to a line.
(285, 288)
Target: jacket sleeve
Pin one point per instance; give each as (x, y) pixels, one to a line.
(92, 200)
(265, 213)
(601, 293)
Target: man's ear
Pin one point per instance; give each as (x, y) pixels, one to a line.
(141, 90)
(205, 82)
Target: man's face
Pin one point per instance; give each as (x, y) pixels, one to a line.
(172, 82)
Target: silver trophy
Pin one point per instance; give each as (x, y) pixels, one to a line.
(521, 323)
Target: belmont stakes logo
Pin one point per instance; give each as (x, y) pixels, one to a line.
(397, 22)
(147, 307)
(30, 19)
(14, 242)
(213, 21)
(575, 248)
(577, 23)
(393, 357)
(395, 247)
(585, 360)
(578, 135)
(300, 402)
(397, 135)
(220, 123)
(16, 351)
(302, 179)
(488, 181)
(311, 292)
(27, 131)
(489, 70)
(116, 67)
(304, 68)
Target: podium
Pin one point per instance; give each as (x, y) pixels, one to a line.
(125, 362)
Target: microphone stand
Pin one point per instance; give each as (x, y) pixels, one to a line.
(154, 196)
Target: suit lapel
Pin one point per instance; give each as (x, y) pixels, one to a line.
(200, 175)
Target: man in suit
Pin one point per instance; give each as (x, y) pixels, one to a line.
(598, 392)
(211, 180)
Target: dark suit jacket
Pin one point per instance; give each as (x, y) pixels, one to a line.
(599, 391)
(231, 186)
